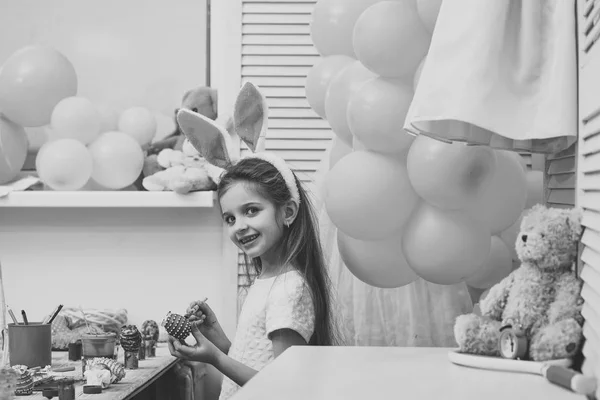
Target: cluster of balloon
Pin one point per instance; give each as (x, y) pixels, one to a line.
(405, 207)
(81, 144)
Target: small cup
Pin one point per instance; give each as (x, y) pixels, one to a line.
(30, 345)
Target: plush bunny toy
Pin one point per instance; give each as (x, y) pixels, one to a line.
(250, 120)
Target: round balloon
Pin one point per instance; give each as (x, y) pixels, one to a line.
(76, 118)
(449, 176)
(319, 77)
(428, 12)
(368, 195)
(445, 247)
(376, 263)
(138, 122)
(390, 39)
(332, 22)
(497, 266)
(503, 201)
(535, 188)
(64, 164)
(13, 150)
(339, 150)
(341, 88)
(118, 159)
(376, 114)
(32, 82)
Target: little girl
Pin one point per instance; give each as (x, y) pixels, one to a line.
(268, 215)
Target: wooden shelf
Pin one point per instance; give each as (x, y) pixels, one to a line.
(105, 199)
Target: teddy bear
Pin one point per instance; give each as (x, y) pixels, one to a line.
(541, 298)
(157, 174)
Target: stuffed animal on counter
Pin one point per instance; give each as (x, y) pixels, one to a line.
(535, 312)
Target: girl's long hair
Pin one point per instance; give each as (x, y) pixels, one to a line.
(300, 243)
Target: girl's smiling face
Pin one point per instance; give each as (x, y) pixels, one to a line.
(253, 222)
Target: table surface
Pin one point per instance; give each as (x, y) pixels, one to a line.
(134, 381)
(319, 373)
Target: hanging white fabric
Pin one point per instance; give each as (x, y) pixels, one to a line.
(501, 73)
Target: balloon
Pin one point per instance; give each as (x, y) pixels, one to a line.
(449, 176)
(339, 150)
(444, 247)
(390, 39)
(341, 88)
(377, 263)
(535, 188)
(139, 123)
(332, 22)
(509, 237)
(417, 76)
(503, 201)
(32, 81)
(118, 159)
(497, 266)
(319, 77)
(76, 118)
(368, 195)
(428, 11)
(13, 150)
(64, 164)
(109, 118)
(376, 114)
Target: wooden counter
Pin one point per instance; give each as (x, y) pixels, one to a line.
(359, 373)
(149, 371)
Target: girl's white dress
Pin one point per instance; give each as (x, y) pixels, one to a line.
(274, 303)
(501, 73)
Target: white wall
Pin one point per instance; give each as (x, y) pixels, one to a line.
(149, 261)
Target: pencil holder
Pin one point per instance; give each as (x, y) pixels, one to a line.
(30, 345)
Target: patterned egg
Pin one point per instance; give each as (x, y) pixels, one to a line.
(131, 338)
(177, 326)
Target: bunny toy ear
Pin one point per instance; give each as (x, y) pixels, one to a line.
(211, 141)
(250, 117)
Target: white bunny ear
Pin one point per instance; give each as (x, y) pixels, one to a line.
(250, 117)
(212, 141)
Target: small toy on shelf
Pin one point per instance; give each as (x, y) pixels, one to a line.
(150, 332)
(177, 326)
(117, 370)
(535, 312)
(131, 340)
(98, 375)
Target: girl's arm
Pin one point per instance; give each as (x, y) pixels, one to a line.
(239, 373)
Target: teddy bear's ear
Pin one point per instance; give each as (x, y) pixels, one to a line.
(250, 117)
(573, 219)
(211, 141)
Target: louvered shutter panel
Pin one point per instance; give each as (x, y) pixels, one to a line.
(588, 178)
(277, 53)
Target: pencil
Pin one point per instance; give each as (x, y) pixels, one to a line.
(12, 315)
(25, 321)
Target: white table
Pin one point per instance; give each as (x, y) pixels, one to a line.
(353, 373)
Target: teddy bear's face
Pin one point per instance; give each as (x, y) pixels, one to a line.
(548, 237)
(202, 100)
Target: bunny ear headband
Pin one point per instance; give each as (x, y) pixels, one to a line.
(250, 119)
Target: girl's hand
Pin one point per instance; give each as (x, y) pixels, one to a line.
(204, 350)
(209, 326)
